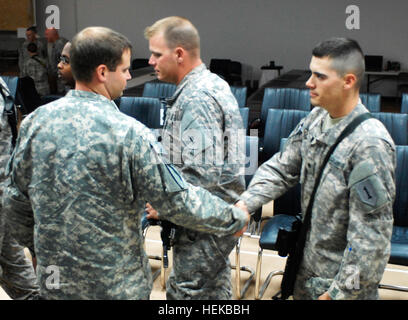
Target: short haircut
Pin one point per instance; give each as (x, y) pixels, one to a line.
(32, 28)
(346, 56)
(32, 47)
(94, 46)
(177, 31)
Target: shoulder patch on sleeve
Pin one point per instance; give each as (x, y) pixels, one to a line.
(366, 191)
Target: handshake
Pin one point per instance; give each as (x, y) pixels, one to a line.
(152, 214)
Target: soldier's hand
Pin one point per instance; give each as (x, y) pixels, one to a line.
(151, 212)
(324, 296)
(241, 205)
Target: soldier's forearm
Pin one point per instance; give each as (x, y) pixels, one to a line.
(197, 209)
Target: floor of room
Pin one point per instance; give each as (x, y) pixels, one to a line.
(394, 274)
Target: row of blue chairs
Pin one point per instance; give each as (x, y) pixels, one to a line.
(149, 111)
(162, 90)
(281, 122)
(299, 99)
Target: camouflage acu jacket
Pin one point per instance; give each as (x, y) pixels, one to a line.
(203, 134)
(36, 68)
(5, 150)
(348, 244)
(81, 174)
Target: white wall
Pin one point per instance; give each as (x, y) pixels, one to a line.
(250, 31)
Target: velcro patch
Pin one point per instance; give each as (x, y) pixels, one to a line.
(366, 191)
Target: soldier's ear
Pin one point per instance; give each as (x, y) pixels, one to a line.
(180, 52)
(350, 81)
(101, 72)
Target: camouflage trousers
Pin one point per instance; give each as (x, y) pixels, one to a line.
(201, 267)
(309, 286)
(17, 276)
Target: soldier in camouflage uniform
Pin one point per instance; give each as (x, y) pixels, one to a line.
(81, 174)
(348, 243)
(55, 45)
(199, 115)
(36, 68)
(17, 276)
(31, 37)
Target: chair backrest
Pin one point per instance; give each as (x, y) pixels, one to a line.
(372, 101)
(404, 103)
(159, 90)
(251, 161)
(396, 124)
(285, 98)
(245, 116)
(401, 198)
(144, 109)
(12, 83)
(279, 124)
(240, 94)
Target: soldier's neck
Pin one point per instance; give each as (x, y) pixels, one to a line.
(90, 87)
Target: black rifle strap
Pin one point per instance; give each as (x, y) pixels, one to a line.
(300, 244)
(36, 58)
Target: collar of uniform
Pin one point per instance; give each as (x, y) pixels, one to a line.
(90, 95)
(330, 136)
(196, 71)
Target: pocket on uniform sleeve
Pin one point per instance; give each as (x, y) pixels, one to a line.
(367, 187)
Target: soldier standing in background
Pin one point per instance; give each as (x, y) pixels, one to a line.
(202, 115)
(54, 48)
(31, 37)
(36, 68)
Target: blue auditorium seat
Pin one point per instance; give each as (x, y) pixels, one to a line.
(240, 94)
(245, 116)
(285, 98)
(279, 124)
(404, 103)
(399, 239)
(158, 89)
(287, 209)
(396, 124)
(144, 109)
(372, 101)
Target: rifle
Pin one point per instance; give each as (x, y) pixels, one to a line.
(292, 243)
(168, 235)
